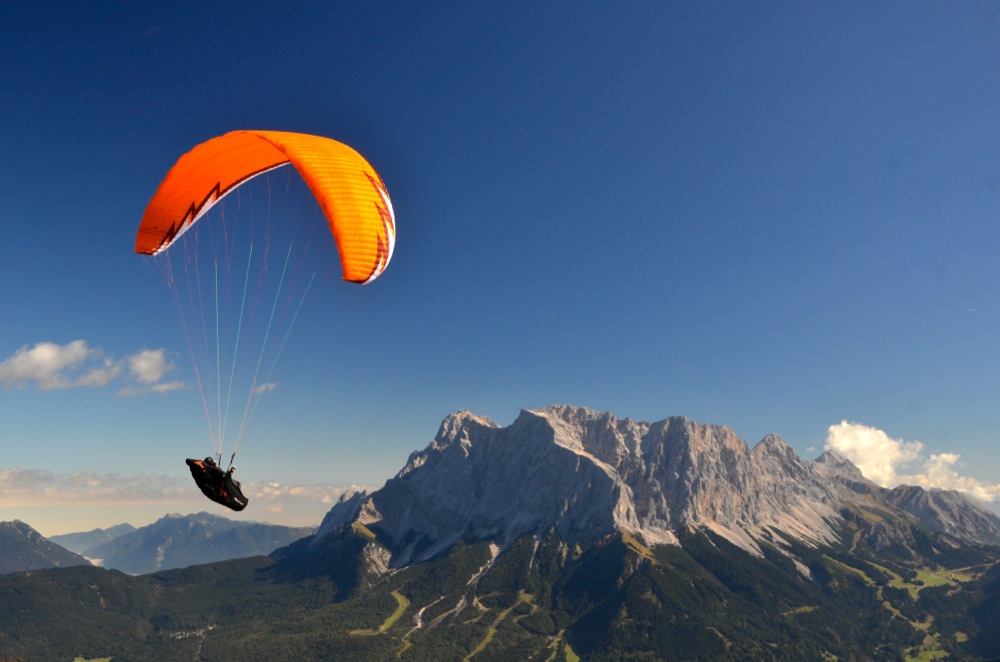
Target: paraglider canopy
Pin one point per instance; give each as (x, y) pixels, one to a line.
(236, 289)
(349, 191)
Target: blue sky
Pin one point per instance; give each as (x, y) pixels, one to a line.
(772, 216)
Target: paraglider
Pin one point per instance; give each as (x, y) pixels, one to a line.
(219, 297)
(216, 484)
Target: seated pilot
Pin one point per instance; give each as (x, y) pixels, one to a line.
(216, 484)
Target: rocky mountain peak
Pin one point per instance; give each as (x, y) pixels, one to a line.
(835, 460)
(455, 426)
(840, 469)
(774, 445)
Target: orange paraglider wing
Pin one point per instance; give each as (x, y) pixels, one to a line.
(349, 191)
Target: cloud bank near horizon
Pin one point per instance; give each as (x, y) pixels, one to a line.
(888, 461)
(48, 366)
(33, 488)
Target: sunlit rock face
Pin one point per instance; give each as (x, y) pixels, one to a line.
(682, 473)
(479, 481)
(582, 474)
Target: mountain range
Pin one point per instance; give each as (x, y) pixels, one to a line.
(173, 541)
(82, 541)
(583, 474)
(178, 541)
(569, 534)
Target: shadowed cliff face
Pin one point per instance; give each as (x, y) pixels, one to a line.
(23, 548)
(583, 474)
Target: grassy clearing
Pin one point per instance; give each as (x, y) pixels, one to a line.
(363, 530)
(635, 545)
(925, 655)
(799, 610)
(402, 604)
(927, 577)
(870, 515)
(491, 632)
(559, 645)
(931, 648)
(843, 566)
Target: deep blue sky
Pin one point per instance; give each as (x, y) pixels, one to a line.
(775, 216)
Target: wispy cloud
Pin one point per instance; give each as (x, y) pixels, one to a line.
(266, 387)
(890, 462)
(34, 488)
(324, 494)
(165, 387)
(48, 366)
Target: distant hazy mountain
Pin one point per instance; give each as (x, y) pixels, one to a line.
(81, 542)
(23, 548)
(177, 541)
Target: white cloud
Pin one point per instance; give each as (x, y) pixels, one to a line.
(48, 366)
(880, 458)
(874, 452)
(149, 366)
